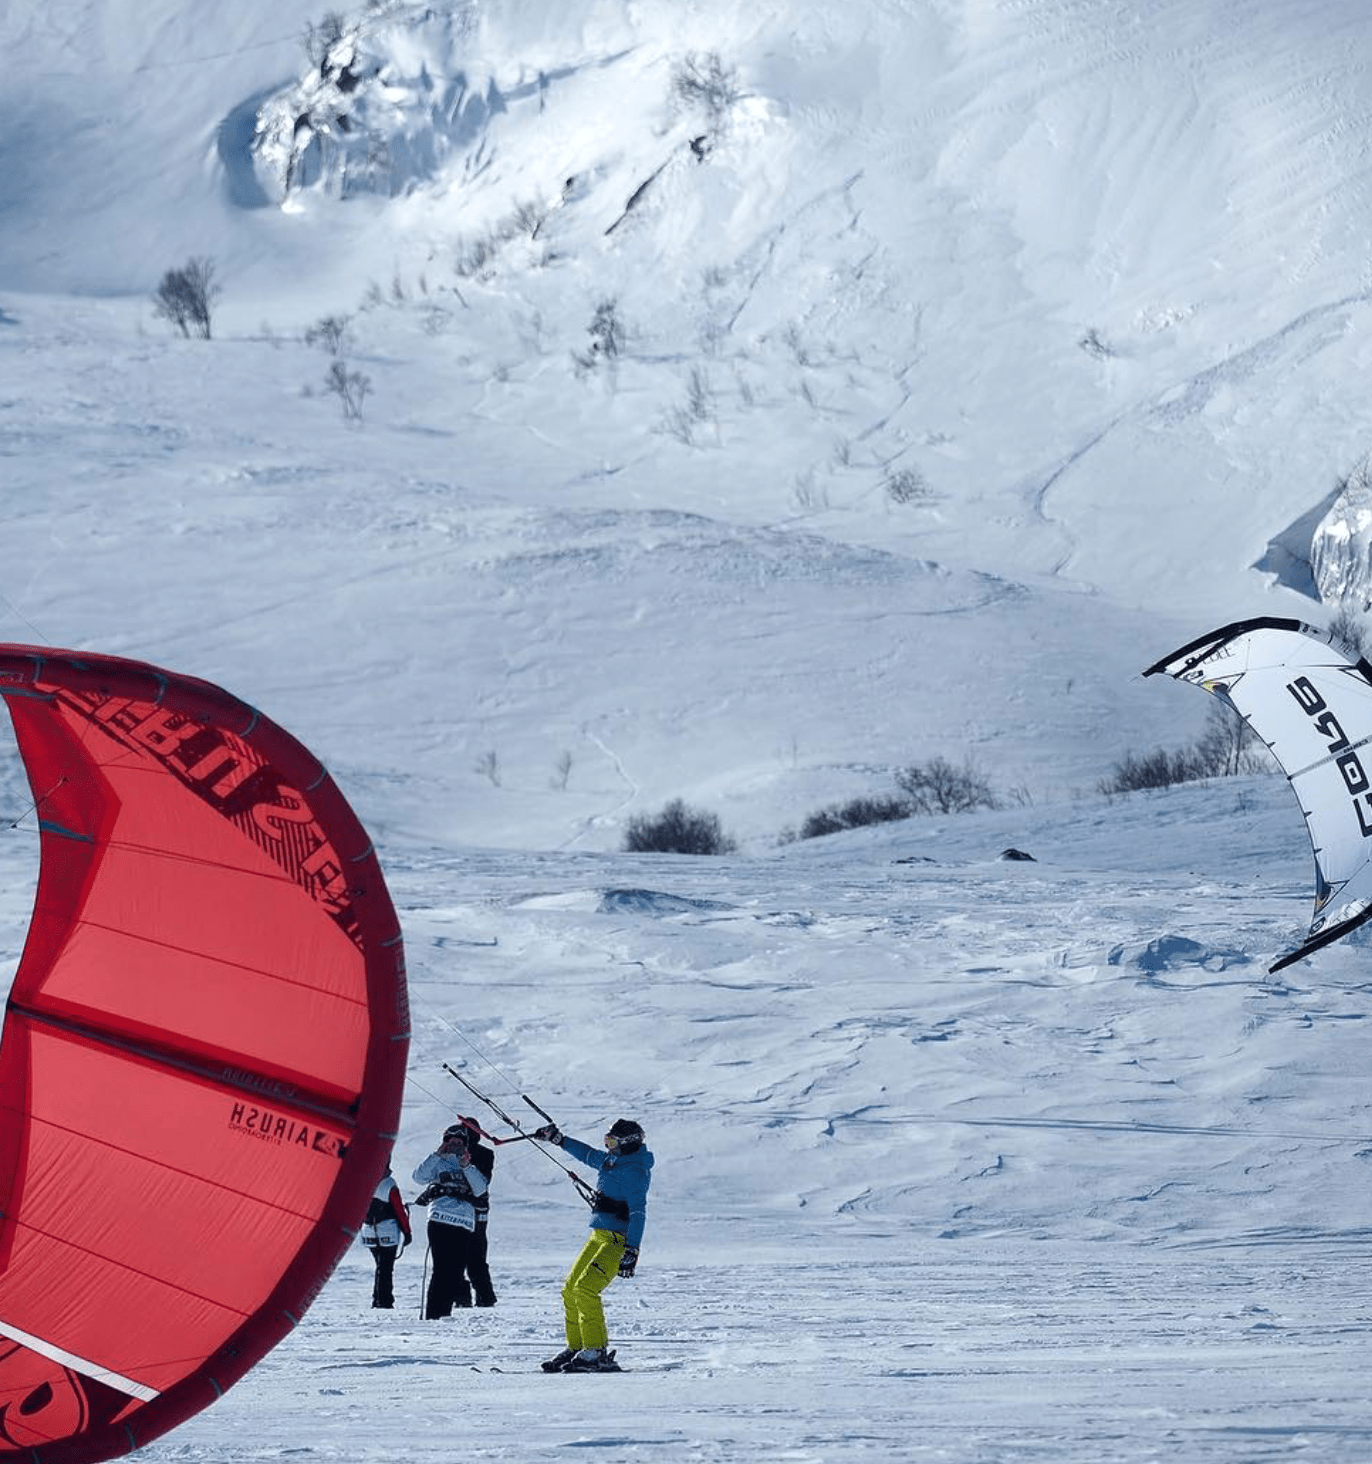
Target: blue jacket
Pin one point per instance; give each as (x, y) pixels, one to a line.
(624, 1178)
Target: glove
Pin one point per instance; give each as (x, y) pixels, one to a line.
(628, 1260)
(549, 1132)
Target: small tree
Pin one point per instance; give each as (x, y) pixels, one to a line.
(939, 787)
(186, 295)
(1228, 747)
(677, 830)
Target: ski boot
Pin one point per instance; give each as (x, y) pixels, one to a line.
(593, 1359)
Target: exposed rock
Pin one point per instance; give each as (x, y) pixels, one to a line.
(377, 115)
(1341, 546)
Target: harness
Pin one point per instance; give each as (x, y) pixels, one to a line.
(447, 1189)
(603, 1204)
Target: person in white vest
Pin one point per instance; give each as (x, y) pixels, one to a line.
(454, 1184)
(386, 1232)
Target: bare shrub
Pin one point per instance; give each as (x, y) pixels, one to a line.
(795, 343)
(350, 387)
(681, 422)
(607, 336)
(700, 395)
(905, 485)
(331, 332)
(473, 258)
(939, 787)
(186, 295)
(1349, 625)
(677, 829)
(563, 771)
(607, 329)
(855, 814)
(527, 218)
(677, 422)
(1157, 769)
(1227, 748)
(809, 495)
(704, 83)
(488, 765)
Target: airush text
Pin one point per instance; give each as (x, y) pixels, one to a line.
(223, 770)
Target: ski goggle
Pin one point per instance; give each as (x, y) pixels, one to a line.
(611, 1142)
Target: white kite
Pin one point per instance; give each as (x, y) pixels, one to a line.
(1310, 700)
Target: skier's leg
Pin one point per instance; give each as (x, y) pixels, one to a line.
(478, 1269)
(440, 1299)
(591, 1273)
(462, 1260)
(383, 1294)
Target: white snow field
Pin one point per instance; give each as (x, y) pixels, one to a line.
(966, 357)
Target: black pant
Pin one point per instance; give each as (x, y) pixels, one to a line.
(383, 1291)
(450, 1249)
(478, 1272)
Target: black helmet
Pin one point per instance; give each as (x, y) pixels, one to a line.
(628, 1135)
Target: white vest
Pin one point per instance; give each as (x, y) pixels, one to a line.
(386, 1232)
(450, 1209)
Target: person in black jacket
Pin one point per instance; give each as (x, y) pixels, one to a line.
(478, 1267)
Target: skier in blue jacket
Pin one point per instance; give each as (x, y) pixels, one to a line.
(618, 1211)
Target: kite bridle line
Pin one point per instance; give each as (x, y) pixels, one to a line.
(586, 1192)
(39, 802)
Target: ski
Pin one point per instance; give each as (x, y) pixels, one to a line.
(666, 1365)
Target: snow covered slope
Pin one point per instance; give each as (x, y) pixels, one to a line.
(1032, 327)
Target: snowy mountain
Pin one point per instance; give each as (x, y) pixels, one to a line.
(630, 401)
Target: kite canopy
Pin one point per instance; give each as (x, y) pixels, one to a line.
(202, 1057)
(1310, 700)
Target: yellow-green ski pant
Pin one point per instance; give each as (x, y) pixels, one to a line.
(591, 1273)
